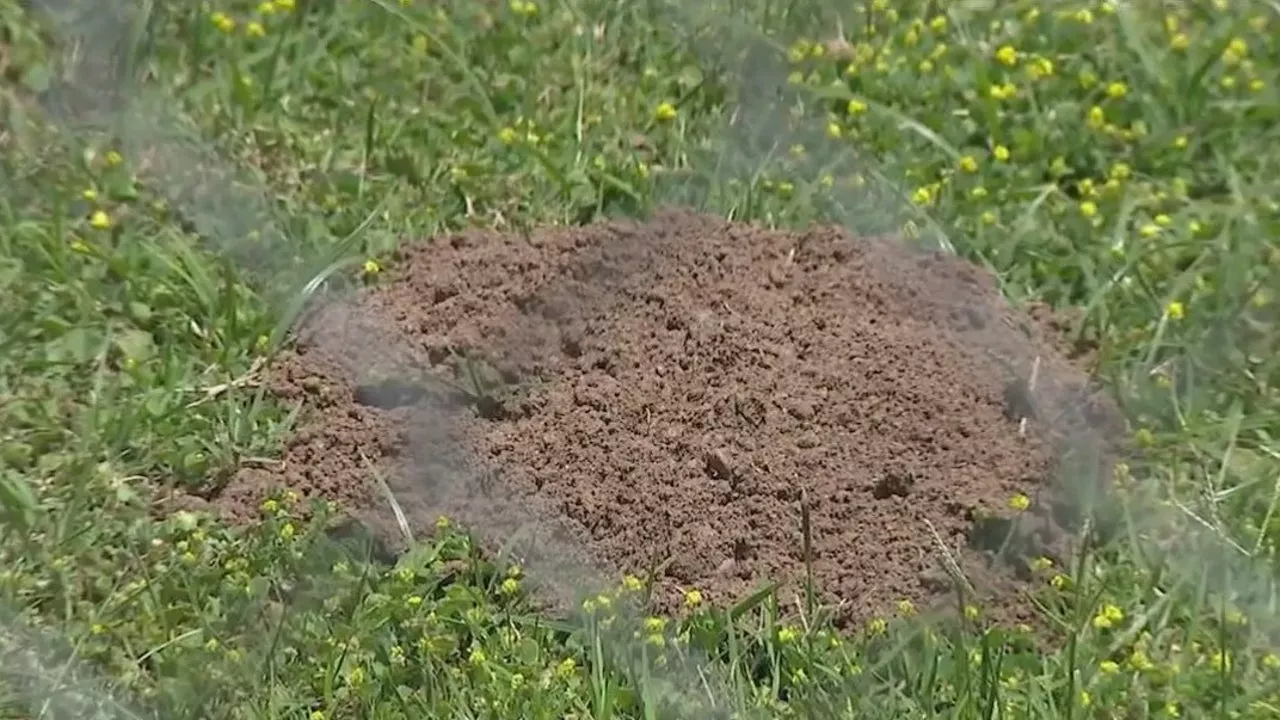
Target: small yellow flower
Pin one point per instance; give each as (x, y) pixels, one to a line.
(906, 608)
(1108, 616)
(1175, 310)
(524, 8)
(1109, 667)
(692, 598)
(1149, 230)
(1041, 564)
(1271, 661)
(371, 267)
(972, 612)
(100, 220)
(1060, 581)
(112, 158)
(1087, 79)
(666, 112)
(1117, 90)
(1088, 208)
(1256, 85)
(969, 164)
(1163, 220)
(856, 107)
(834, 131)
(285, 5)
(1120, 172)
(1019, 502)
(1237, 50)
(223, 22)
(89, 194)
(1180, 41)
(254, 29)
(510, 586)
(1007, 55)
(979, 192)
(1097, 117)
(631, 583)
(1084, 16)
(877, 626)
(1001, 153)
(923, 196)
(938, 24)
(988, 218)
(787, 634)
(287, 531)
(508, 136)
(566, 668)
(267, 8)
(1040, 68)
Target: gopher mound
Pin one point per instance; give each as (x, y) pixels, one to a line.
(707, 400)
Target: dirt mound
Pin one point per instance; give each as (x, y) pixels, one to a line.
(687, 394)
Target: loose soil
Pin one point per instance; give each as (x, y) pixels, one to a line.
(702, 399)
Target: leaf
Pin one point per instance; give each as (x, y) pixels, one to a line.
(137, 345)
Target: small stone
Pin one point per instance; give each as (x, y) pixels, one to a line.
(800, 410)
(717, 463)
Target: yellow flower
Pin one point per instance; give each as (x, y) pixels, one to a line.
(666, 111)
(1120, 171)
(223, 22)
(692, 598)
(1109, 667)
(1149, 230)
(834, 131)
(1256, 85)
(1180, 41)
(1175, 310)
(1007, 55)
(856, 107)
(1001, 153)
(100, 220)
(922, 196)
(1088, 208)
(266, 8)
(1041, 564)
(1088, 79)
(877, 626)
(524, 7)
(938, 24)
(255, 29)
(371, 267)
(285, 5)
(631, 583)
(968, 164)
(112, 158)
(1040, 68)
(1237, 50)
(1117, 90)
(1059, 581)
(1019, 502)
(1084, 16)
(89, 194)
(1108, 616)
(906, 608)
(979, 193)
(510, 586)
(1097, 117)
(1163, 220)
(508, 136)
(988, 218)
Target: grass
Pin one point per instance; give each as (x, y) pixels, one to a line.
(1118, 157)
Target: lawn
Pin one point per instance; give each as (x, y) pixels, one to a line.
(1120, 158)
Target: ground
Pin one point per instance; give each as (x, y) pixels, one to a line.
(1113, 161)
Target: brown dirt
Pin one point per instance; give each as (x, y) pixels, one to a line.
(671, 395)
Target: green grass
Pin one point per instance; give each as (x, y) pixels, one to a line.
(1127, 164)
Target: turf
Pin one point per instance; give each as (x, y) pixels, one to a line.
(1119, 158)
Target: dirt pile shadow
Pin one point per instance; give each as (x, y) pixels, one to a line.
(670, 395)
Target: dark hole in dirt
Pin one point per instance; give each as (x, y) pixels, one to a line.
(706, 400)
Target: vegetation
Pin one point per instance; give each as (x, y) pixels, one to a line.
(1121, 157)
